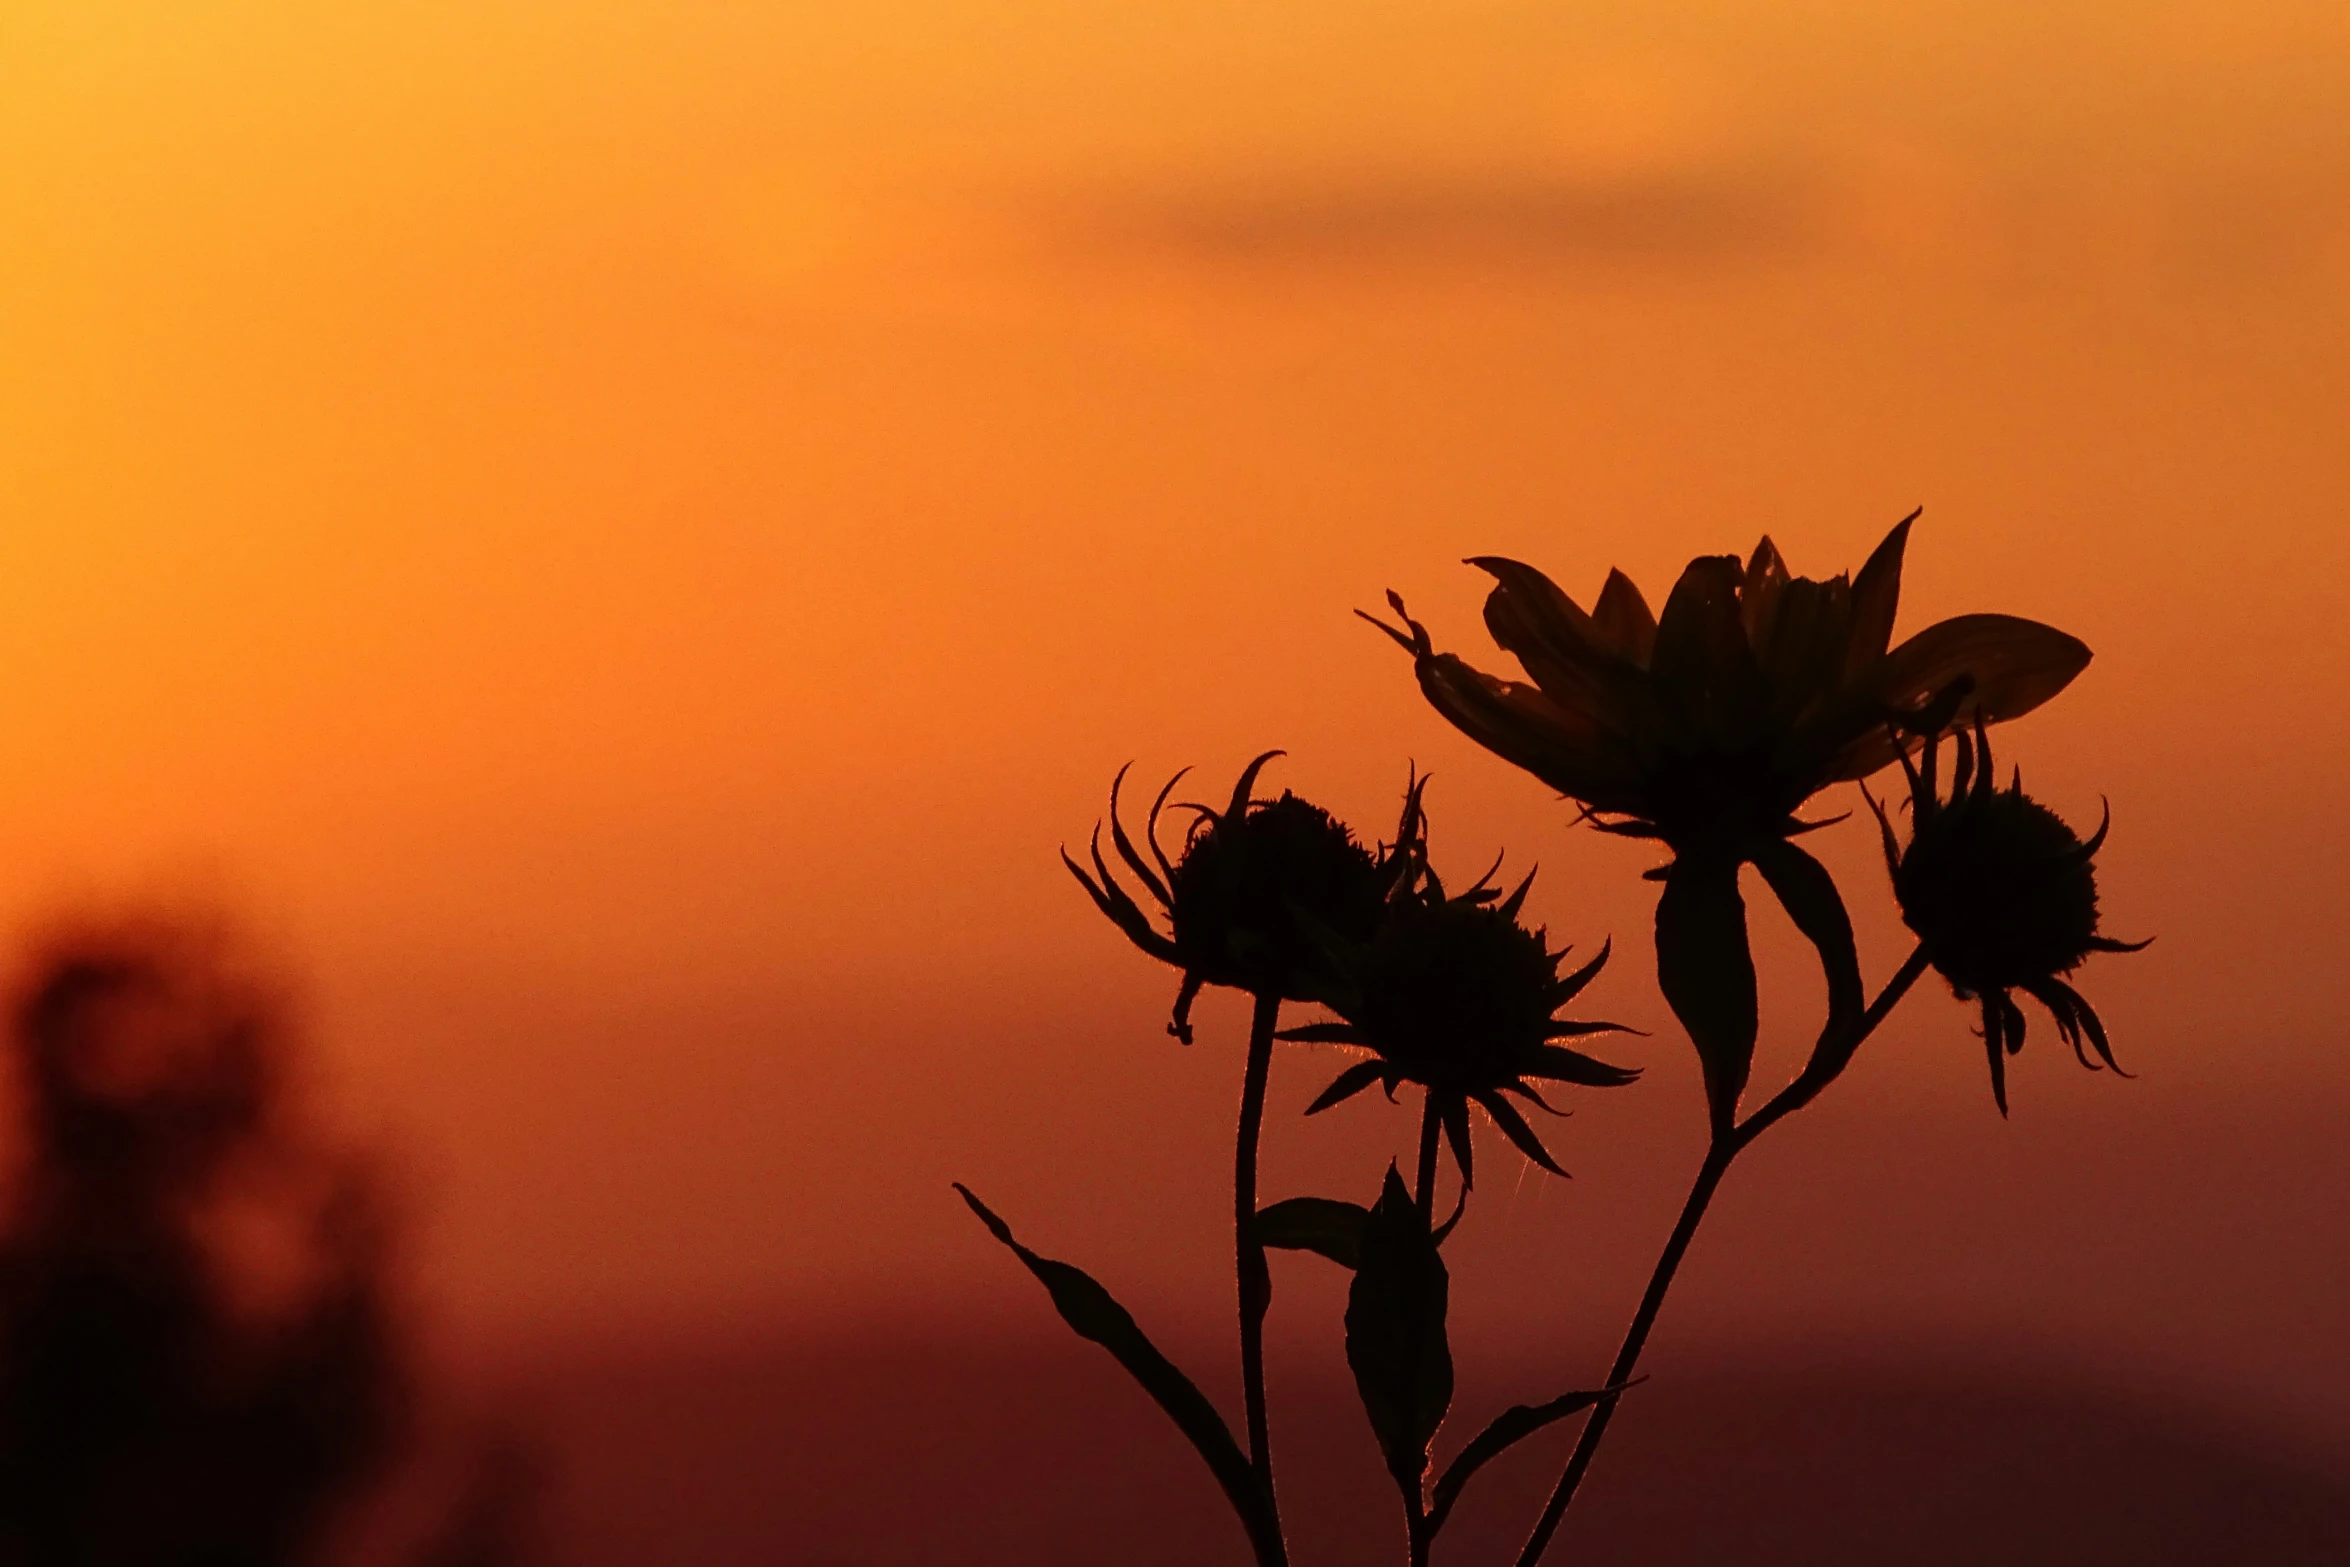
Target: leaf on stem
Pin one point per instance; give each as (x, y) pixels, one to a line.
(1510, 1427)
(1322, 1225)
(1706, 971)
(1094, 1314)
(1808, 893)
(1395, 1339)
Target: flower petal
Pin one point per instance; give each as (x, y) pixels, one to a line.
(1577, 665)
(1704, 667)
(2015, 664)
(1624, 618)
(1758, 594)
(1522, 725)
(1876, 595)
(1803, 659)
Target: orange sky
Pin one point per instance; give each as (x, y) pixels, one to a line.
(622, 536)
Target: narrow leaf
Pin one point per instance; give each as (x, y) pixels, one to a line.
(1322, 1225)
(1094, 1314)
(1706, 971)
(1511, 1426)
(1808, 893)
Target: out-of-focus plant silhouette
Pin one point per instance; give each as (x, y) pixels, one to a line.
(1705, 729)
(200, 1356)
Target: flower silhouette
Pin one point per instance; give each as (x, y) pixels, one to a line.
(1710, 725)
(1260, 893)
(1456, 995)
(2003, 896)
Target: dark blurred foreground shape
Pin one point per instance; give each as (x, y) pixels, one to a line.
(198, 1356)
(906, 1452)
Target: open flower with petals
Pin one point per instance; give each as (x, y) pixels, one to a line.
(1456, 995)
(1258, 894)
(1709, 725)
(2003, 896)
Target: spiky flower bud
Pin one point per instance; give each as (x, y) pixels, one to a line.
(1456, 995)
(1260, 895)
(2003, 896)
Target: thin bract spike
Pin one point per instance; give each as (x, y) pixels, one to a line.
(2088, 851)
(1484, 889)
(1151, 827)
(1321, 1034)
(2108, 944)
(1532, 1095)
(1460, 1205)
(1514, 1127)
(2095, 1027)
(1345, 1086)
(1401, 640)
(1567, 989)
(1992, 1045)
(1885, 829)
(1244, 789)
(1127, 852)
(1455, 1114)
(1517, 900)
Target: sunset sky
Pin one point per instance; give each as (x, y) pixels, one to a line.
(618, 539)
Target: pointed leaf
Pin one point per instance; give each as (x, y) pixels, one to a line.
(1706, 971)
(1324, 1226)
(1511, 1426)
(1571, 659)
(1395, 1339)
(1808, 893)
(1090, 1310)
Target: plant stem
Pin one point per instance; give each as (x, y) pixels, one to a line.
(1426, 1190)
(1701, 1193)
(1256, 1280)
(1718, 1159)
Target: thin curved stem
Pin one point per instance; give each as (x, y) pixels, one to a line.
(1718, 1159)
(1256, 1280)
(1701, 1193)
(1805, 1088)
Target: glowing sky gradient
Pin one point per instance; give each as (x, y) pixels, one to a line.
(623, 536)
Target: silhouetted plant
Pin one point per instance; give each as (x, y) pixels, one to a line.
(1705, 729)
(200, 1361)
(157, 1403)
